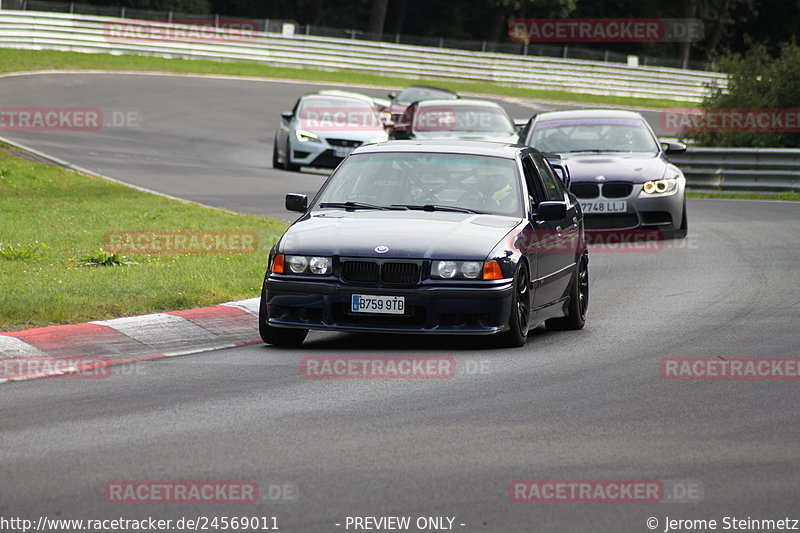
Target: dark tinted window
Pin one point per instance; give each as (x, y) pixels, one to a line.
(554, 190)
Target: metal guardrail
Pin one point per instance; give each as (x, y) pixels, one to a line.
(85, 33)
(776, 169)
(559, 50)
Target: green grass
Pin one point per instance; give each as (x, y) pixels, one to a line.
(28, 60)
(52, 220)
(790, 196)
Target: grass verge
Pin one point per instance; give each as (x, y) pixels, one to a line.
(786, 196)
(26, 60)
(53, 222)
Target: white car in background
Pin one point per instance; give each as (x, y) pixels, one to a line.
(323, 129)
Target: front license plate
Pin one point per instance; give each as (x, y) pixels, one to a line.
(342, 151)
(384, 305)
(604, 207)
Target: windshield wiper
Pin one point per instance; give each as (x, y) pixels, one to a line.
(437, 207)
(357, 205)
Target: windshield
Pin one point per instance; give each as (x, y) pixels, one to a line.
(593, 135)
(415, 94)
(478, 183)
(480, 119)
(337, 113)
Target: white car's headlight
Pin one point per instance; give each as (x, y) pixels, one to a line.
(306, 136)
(659, 186)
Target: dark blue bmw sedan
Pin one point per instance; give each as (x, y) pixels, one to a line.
(431, 237)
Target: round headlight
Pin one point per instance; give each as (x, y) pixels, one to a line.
(661, 186)
(471, 269)
(319, 265)
(649, 187)
(446, 269)
(297, 263)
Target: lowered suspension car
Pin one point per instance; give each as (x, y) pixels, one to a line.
(620, 172)
(436, 237)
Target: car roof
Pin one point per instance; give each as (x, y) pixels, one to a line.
(429, 87)
(345, 94)
(461, 102)
(323, 94)
(446, 146)
(588, 114)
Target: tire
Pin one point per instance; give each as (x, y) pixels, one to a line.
(681, 232)
(578, 300)
(287, 164)
(518, 321)
(282, 337)
(275, 159)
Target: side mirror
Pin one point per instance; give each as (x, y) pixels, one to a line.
(563, 172)
(287, 115)
(296, 202)
(551, 211)
(673, 148)
(392, 95)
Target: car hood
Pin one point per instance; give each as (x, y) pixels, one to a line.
(637, 168)
(407, 234)
(469, 136)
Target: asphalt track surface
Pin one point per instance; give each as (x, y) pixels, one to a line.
(574, 405)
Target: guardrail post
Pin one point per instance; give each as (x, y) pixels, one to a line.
(169, 18)
(483, 46)
(566, 49)
(441, 42)
(216, 20)
(122, 12)
(525, 48)
(396, 38)
(72, 7)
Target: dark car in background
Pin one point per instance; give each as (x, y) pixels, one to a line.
(478, 120)
(619, 171)
(431, 237)
(400, 100)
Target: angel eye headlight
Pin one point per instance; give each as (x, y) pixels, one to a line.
(659, 186)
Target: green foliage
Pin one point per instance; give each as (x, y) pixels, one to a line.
(757, 81)
(20, 252)
(101, 257)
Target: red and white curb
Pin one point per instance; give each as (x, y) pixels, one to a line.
(106, 343)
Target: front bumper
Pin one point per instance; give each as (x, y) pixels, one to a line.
(662, 212)
(454, 310)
